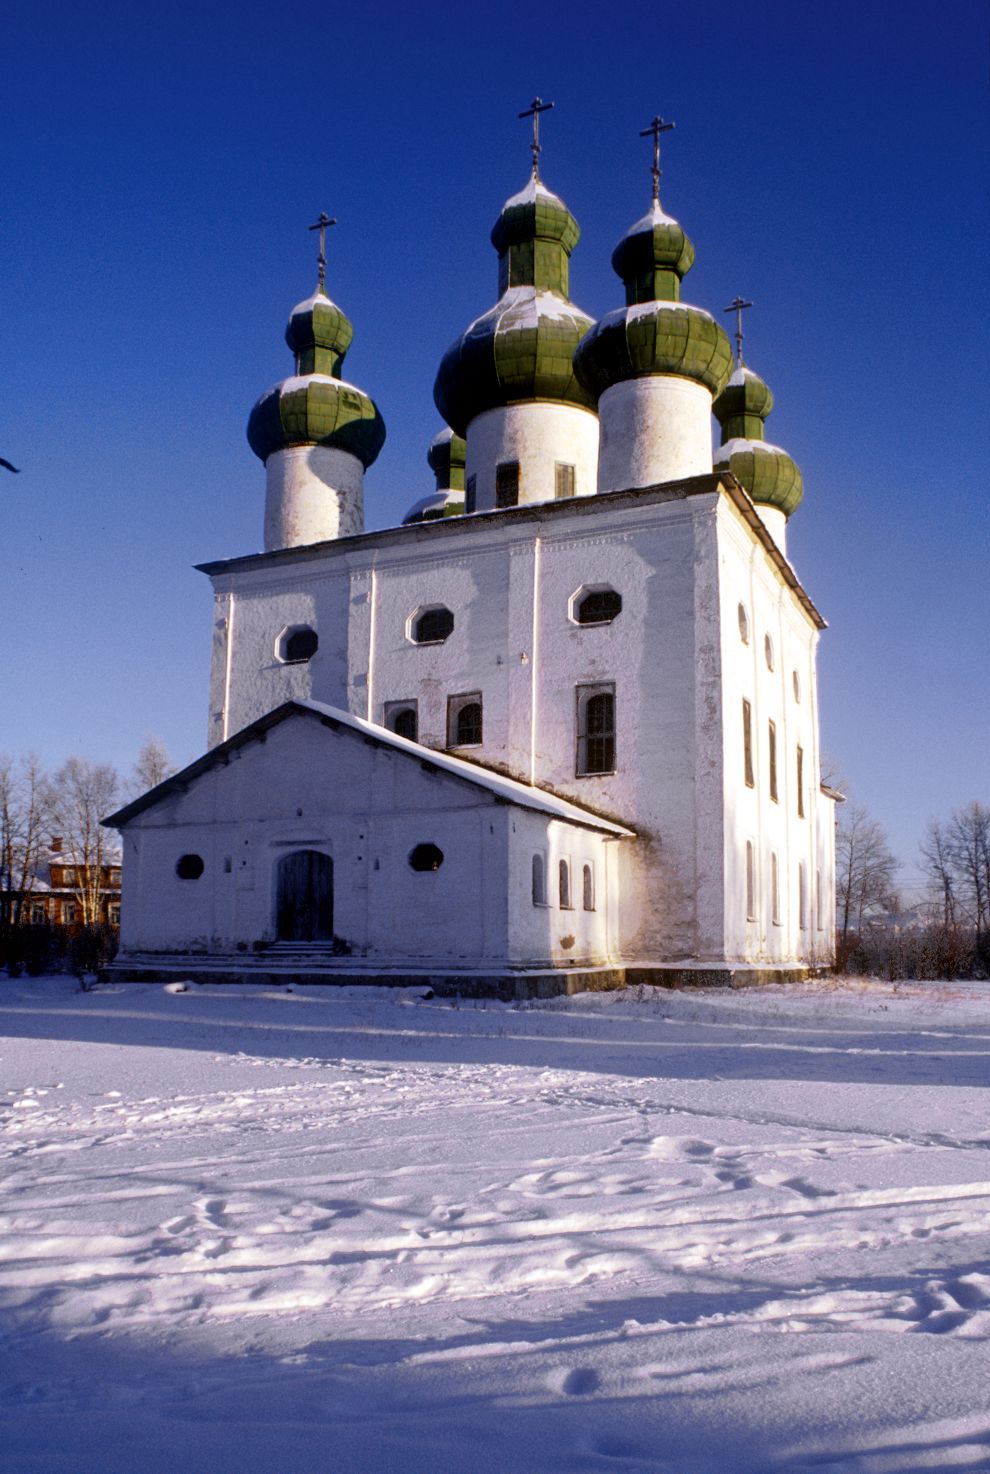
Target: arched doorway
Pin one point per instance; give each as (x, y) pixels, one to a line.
(304, 897)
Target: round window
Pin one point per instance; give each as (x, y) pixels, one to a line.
(189, 867)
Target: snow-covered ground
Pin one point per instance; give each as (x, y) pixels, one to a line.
(367, 1232)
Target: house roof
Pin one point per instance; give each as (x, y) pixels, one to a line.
(505, 790)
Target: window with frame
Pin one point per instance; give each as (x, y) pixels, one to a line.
(507, 484)
(588, 887)
(38, 915)
(402, 718)
(743, 618)
(800, 781)
(747, 714)
(774, 889)
(464, 720)
(595, 730)
(432, 625)
(69, 913)
(772, 753)
(564, 481)
(599, 605)
(539, 880)
(471, 494)
(297, 644)
(113, 913)
(750, 881)
(564, 884)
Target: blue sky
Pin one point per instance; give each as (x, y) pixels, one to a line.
(161, 167)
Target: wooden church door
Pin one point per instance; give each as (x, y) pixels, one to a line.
(304, 897)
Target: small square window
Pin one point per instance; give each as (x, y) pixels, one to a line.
(564, 481)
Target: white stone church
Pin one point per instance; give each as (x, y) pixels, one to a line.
(560, 728)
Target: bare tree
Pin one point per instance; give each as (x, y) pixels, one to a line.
(865, 870)
(84, 792)
(969, 847)
(153, 766)
(937, 861)
(25, 809)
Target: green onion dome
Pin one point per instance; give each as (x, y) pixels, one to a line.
(655, 333)
(447, 457)
(316, 406)
(766, 471)
(522, 349)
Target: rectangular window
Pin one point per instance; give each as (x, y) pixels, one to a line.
(800, 782)
(802, 898)
(750, 881)
(774, 889)
(402, 718)
(748, 743)
(773, 760)
(68, 913)
(818, 900)
(564, 480)
(595, 730)
(464, 720)
(507, 484)
(113, 913)
(564, 884)
(471, 494)
(38, 915)
(539, 880)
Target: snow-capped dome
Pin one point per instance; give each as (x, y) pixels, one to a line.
(315, 406)
(767, 472)
(523, 347)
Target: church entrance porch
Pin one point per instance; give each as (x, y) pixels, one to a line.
(304, 897)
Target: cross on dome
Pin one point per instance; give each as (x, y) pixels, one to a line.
(536, 107)
(657, 127)
(738, 306)
(321, 225)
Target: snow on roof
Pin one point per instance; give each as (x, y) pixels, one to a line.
(740, 443)
(654, 216)
(527, 195)
(527, 306)
(647, 309)
(302, 381)
(509, 790)
(442, 437)
(309, 303)
(740, 376)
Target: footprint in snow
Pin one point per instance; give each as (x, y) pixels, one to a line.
(577, 1382)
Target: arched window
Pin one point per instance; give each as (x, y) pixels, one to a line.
(426, 857)
(768, 651)
(297, 644)
(596, 605)
(464, 720)
(564, 884)
(431, 625)
(796, 682)
(743, 624)
(588, 888)
(595, 730)
(774, 889)
(802, 898)
(401, 717)
(189, 867)
(539, 881)
(750, 881)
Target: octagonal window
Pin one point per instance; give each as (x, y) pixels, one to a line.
(426, 857)
(297, 644)
(431, 625)
(189, 867)
(596, 604)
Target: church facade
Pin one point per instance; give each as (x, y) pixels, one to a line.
(559, 727)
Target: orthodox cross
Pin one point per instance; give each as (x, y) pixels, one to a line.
(738, 306)
(321, 226)
(536, 107)
(657, 127)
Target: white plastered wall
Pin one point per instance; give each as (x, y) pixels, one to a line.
(313, 492)
(653, 429)
(773, 827)
(539, 436)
